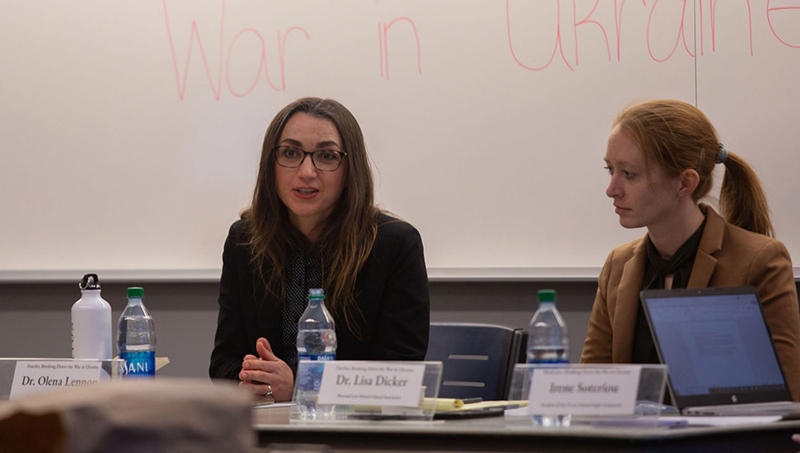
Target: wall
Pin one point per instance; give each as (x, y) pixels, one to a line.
(35, 319)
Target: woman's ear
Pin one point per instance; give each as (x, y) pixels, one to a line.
(689, 181)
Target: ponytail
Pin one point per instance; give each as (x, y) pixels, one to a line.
(742, 199)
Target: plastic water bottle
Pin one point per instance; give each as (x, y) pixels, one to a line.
(316, 331)
(548, 344)
(316, 341)
(136, 338)
(91, 322)
(547, 333)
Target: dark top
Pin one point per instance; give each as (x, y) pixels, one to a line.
(303, 272)
(657, 268)
(391, 291)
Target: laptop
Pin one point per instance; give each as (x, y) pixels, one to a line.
(718, 351)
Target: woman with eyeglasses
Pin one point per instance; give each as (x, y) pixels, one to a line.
(312, 223)
(661, 156)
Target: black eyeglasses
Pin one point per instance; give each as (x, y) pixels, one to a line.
(323, 159)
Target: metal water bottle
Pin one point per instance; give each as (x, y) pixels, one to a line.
(91, 322)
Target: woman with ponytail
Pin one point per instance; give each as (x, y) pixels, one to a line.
(312, 223)
(661, 156)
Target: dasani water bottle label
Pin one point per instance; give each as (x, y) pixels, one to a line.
(139, 364)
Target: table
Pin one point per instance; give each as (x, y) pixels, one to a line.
(517, 434)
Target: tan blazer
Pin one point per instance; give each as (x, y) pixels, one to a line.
(727, 256)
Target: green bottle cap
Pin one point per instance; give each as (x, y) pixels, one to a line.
(547, 295)
(135, 292)
(316, 293)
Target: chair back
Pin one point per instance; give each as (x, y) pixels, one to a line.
(478, 358)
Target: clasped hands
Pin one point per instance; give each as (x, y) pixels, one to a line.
(267, 373)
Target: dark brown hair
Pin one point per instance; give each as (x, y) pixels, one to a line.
(678, 136)
(348, 235)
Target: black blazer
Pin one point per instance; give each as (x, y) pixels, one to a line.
(391, 292)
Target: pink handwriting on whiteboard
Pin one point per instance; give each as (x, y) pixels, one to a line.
(618, 23)
(712, 13)
(585, 21)
(769, 21)
(666, 19)
(558, 47)
(383, 44)
(281, 39)
(681, 34)
(215, 80)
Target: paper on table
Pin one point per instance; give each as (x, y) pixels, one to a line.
(270, 403)
(161, 362)
(728, 421)
(675, 421)
(693, 421)
(485, 404)
(263, 400)
(442, 404)
(645, 421)
(447, 404)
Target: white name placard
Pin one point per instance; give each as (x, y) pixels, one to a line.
(371, 383)
(584, 391)
(35, 376)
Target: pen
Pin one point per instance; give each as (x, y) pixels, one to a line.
(471, 400)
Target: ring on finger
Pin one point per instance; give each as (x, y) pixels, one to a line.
(269, 391)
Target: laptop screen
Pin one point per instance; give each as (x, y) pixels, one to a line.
(716, 345)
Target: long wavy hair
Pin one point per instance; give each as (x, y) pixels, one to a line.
(678, 136)
(347, 236)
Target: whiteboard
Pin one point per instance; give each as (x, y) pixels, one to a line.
(130, 131)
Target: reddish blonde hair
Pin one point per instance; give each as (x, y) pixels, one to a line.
(678, 136)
